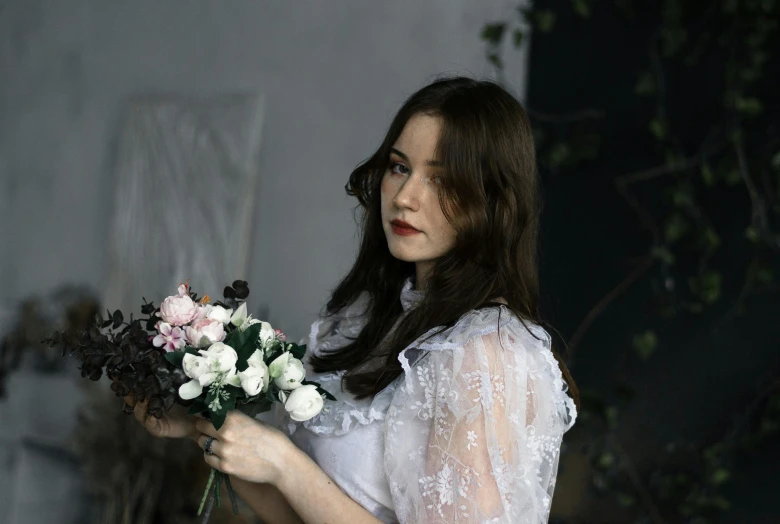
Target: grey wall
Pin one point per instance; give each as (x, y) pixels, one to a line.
(332, 73)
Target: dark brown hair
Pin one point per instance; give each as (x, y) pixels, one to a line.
(491, 196)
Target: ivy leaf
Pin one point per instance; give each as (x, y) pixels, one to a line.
(706, 286)
(708, 175)
(720, 476)
(544, 20)
(663, 254)
(645, 344)
(752, 234)
(517, 37)
(582, 7)
(493, 33)
(495, 59)
(658, 128)
(645, 84)
(675, 228)
(750, 106)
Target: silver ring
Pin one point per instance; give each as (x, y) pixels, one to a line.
(207, 446)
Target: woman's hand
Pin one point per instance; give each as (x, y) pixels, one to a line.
(246, 448)
(175, 423)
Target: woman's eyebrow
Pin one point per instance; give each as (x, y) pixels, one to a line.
(430, 163)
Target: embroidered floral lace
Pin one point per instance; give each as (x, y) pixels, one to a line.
(471, 432)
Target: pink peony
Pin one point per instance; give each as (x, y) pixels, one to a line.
(280, 335)
(179, 310)
(204, 332)
(171, 338)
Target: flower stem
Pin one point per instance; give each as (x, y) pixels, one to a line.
(231, 494)
(207, 490)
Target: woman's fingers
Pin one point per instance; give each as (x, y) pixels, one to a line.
(216, 445)
(206, 427)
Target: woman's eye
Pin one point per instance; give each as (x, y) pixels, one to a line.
(399, 168)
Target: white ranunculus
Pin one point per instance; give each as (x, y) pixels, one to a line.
(267, 334)
(195, 366)
(239, 317)
(222, 358)
(304, 403)
(292, 375)
(220, 314)
(254, 379)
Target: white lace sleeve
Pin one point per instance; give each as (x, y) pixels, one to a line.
(473, 433)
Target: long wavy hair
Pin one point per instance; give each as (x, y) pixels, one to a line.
(489, 193)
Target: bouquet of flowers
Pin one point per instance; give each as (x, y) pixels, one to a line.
(209, 357)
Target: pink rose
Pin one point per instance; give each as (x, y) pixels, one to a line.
(204, 332)
(178, 310)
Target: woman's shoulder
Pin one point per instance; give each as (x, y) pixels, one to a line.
(498, 323)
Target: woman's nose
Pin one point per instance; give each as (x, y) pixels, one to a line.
(409, 193)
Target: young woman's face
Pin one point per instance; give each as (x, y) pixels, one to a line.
(410, 197)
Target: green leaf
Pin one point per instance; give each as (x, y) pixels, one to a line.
(750, 106)
(246, 345)
(559, 154)
(776, 160)
(218, 416)
(544, 20)
(675, 228)
(581, 7)
(708, 175)
(298, 351)
(720, 476)
(645, 344)
(199, 406)
(606, 460)
(752, 234)
(663, 254)
(495, 59)
(706, 286)
(646, 84)
(658, 128)
(255, 408)
(493, 33)
(732, 177)
(175, 357)
(517, 37)
(626, 500)
(325, 393)
(711, 238)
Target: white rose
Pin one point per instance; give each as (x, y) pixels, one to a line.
(254, 379)
(220, 314)
(292, 376)
(304, 403)
(221, 357)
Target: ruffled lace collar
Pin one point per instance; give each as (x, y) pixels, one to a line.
(410, 297)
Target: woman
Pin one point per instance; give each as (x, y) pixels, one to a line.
(453, 403)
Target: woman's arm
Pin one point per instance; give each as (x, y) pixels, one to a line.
(314, 496)
(261, 454)
(267, 501)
